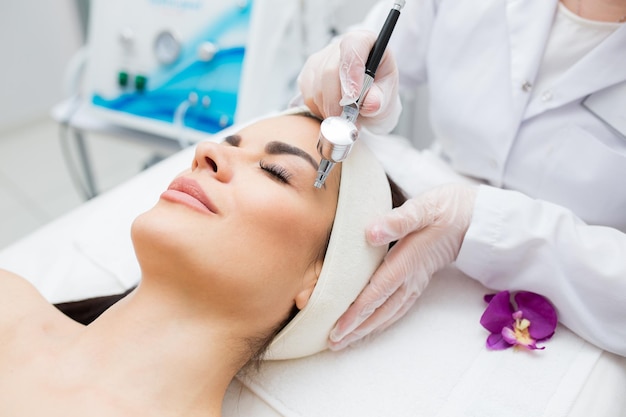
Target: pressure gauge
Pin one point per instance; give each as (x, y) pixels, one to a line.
(166, 48)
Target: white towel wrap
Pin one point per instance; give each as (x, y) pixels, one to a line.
(350, 261)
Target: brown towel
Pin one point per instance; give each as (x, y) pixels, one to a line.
(86, 311)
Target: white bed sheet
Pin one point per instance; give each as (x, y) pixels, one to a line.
(433, 362)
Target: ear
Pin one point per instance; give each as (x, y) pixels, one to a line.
(308, 284)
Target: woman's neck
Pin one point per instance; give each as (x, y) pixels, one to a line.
(598, 10)
(158, 353)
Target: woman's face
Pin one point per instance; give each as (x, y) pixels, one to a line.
(244, 228)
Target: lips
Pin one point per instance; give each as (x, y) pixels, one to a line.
(188, 192)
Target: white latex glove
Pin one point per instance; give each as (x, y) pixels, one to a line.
(333, 77)
(430, 229)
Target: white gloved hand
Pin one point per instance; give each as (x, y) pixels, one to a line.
(333, 77)
(429, 229)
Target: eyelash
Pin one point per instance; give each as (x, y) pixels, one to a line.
(278, 172)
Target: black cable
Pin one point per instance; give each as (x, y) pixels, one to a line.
(69, 162)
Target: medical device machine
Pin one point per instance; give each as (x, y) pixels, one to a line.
(162, 66)
(338, 134)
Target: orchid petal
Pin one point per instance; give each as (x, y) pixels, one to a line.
(498, 313)
(541, 314)
(495, 341)
(488, 297)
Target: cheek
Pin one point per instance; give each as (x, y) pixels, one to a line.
(272, 242)
(287, 223)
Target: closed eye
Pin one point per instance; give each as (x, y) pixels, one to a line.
(276, 171)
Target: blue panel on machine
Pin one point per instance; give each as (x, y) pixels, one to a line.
(169, 62)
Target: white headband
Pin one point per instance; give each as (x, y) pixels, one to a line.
(350, 261)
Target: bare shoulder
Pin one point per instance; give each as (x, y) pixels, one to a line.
(18, 297)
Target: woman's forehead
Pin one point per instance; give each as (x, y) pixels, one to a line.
(292, 129)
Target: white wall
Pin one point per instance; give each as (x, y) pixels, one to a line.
(37, 39)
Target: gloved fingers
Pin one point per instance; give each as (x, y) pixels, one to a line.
(346, 341)
(390, 310)
(418, 255)
(414, 215)
(319, 82)
(354, 49)
(406, 306)
(346, 325)
(385, 121)
(351, 79)
(385, 282)
(364, 306)
(378, 101)
(429, 229)
(405, 270)
(333, 77)
(329, 91)
(380, 108)
(306, 80)
(397, 267)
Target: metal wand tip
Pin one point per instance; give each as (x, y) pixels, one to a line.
(322, 172)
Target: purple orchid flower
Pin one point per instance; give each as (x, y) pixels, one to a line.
(534, 320)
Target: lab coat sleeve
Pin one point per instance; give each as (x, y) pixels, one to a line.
(517, 243)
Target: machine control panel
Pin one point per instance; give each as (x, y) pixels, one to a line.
(154, 64)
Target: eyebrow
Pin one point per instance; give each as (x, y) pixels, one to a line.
(233, 140)
(277, 148)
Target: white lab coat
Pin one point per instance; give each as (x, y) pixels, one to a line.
(553, 219)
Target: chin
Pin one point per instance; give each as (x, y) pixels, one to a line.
(166, 243)
(152, 237)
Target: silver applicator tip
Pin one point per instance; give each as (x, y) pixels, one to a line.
(322, 172)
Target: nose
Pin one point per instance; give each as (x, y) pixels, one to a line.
(215, 159)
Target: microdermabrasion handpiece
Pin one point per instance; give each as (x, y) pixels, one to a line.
(338, 134)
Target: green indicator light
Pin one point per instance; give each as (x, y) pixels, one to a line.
(122, 78)
(141, 82)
